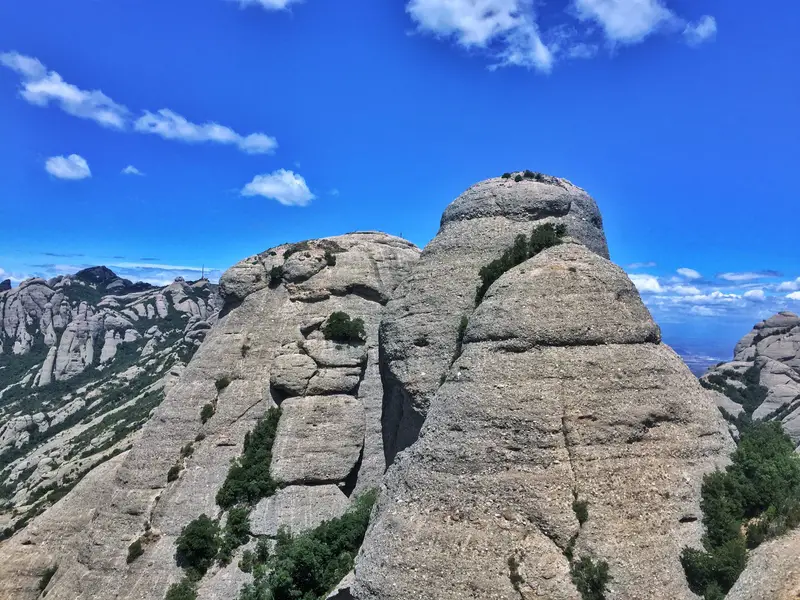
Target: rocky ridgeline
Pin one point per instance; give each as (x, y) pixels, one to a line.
(530, 433)
(762, 382)
(84, 359)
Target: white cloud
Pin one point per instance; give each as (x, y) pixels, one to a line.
(286, 187)
(508, 30)
(267, 4)
(793, 296)
(505, 28)
(134, 265)
(685, 290)
(70, 167)
(703, 311)
(755, 295)
(172, 126)
(701, 31)
(625, 21)
(746, 276)
(131, 170)
(646, 284)
(641, 265)
(40, 87)
(688, 273)
(789, 286)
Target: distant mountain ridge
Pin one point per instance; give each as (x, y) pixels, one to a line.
(84, 359)
(762, 382)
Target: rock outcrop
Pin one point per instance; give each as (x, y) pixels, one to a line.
(763, 379)
(84, 359)
(420, 329)
(267, 349)
(561, 400)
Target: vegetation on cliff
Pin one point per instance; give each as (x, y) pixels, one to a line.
(542, 237)
(309, 565)
(757, 497)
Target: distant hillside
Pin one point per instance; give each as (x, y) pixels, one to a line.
(84, 359)
(762, 382)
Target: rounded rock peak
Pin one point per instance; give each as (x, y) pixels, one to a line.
(528, 196)
(564, 296)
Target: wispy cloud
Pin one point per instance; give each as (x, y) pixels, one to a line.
(60, 255)
(131, 170)
(755, 295)
(702, 31)
(641, 265)
(172, 126)
(287, 187)
(41, 87)
(748, 275)
(509, 33)
(688, 273)
(789, 286)
(72, 167)
(267, 4)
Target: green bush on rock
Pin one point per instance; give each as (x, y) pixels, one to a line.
(759, 492)
(198, 544)
(307, 566)
(542, 237)
(248, 479)
(340, 328)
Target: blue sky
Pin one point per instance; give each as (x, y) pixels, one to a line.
(250, 123)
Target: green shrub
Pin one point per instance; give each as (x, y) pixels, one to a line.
(200, 437)
(518, 178)
(542, 237)
(47, 575)
(135, 550)
(330, 258)
(529, 174)
(198, 544)
(275, 275)
(245, 349)
(307, 566)
(185, 590)
(237, 532)
(760, 489)
(222, 382)
(581, 510)
(506, 175)
(340, 328)
(187, 450)
(173, 473)
(462, 329)
(248, 479)
(590, 578)
(206, 413)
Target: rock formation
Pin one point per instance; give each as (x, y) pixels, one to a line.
(422, 319)
(269, 349)
(539, 427)
(763, 379)
(562, 400)
(84, 359)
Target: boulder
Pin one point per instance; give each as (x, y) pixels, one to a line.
(291, 373)
(297, 507)
(319, 439)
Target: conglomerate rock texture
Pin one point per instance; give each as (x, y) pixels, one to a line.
(269, 315)
(562, 394)
(419, 331)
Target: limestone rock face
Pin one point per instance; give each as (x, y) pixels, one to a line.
(268, 345)
(766, 365)
(420, 330)
(771, 572)
(577, 401)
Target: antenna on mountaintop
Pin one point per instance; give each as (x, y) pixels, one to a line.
(203, 274)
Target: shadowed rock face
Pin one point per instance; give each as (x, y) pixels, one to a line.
(420, 330)
(769, 357)
(562, 393)
(268, 343)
